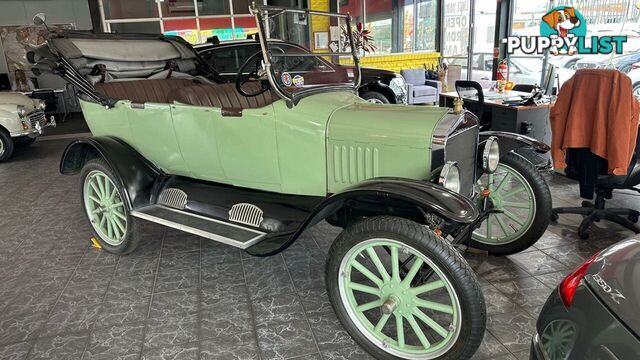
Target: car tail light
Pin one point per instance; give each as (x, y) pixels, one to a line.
(570, 284)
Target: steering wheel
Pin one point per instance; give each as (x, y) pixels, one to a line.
(256, 61)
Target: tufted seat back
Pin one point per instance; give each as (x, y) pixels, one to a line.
(141, 91)
(224, 96)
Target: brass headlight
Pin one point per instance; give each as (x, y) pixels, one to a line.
(450, 177)
(490, 155)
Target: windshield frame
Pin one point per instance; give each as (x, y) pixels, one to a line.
(263, 13)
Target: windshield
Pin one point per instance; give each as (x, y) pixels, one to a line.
(301, 58)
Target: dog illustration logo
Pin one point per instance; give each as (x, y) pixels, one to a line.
(563, 31)
(563, 20)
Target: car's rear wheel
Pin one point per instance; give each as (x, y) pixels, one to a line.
(404, 293)
(374, 97)
(6, 145)
(102, 196)
(522, 201)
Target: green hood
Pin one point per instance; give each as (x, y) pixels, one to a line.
(391, 125)
(367, 140)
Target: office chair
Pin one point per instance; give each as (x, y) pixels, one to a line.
(591, 171)
(524, 88)
(468, 89)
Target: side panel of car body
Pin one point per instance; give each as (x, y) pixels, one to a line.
(402, 149)
(9, 118)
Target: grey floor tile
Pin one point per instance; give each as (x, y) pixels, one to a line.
(490, 348)
(267, 276)
(349, 353)
(63, 347)
(236, 346)
(84, 294)
(174, 303)
(119, 312)
(285, 339)
(21, 325)
(226, 316)
(70, 318)
(180, 242)
(306, 268)
(171, 330)
(137, 265)
(173, 352)
(130, 287)
(537, 262)
(181, 260)
(17, 351)
(513, 330)
(524, 291)
(168, 280)
(329, 332)
(115, 341)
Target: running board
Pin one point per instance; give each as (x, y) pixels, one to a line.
(224, 232)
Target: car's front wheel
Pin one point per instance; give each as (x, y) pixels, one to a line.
(102, 196)
(6, 146)
(374, 97)
(404, 293)
(521, 203)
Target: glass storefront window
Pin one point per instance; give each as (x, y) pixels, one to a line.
(241, 6)
(185, 28)
(456, 28)
(220, 27)
(127, 9)
(245, 26)
(213, 7)
(353, 8)
(177, 8)
(147, 27)
(426, 18)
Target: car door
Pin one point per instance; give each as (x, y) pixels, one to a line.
(238, 150)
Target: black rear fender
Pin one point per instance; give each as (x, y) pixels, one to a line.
(512, 141)
(136, 175)
(407, 198)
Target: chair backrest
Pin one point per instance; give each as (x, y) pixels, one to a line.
(472, 89)
(414, 76)
(524, 88)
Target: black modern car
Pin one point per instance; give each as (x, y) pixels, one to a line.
(594, 312)
(377, 85)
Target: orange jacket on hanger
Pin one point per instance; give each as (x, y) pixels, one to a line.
(596, 109)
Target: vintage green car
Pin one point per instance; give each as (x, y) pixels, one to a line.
(254, 163)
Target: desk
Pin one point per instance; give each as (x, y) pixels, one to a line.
(530, 120)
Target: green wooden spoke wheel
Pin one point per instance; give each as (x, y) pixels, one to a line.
(522, 203)
(105, 208)
(396, 299)
(403, 293)
(102, 197)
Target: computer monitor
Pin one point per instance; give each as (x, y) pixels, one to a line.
(5, 84)
(550, 80)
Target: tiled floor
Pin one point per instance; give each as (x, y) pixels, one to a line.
(179, 297)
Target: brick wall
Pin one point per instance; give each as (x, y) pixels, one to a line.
(397, 62)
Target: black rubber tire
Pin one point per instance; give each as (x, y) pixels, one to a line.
(25, 143)
(133, 233)
(7, 145)
(445, 256)
(543, 214)
(373, 95)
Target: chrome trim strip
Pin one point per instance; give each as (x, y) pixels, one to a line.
(215, 237)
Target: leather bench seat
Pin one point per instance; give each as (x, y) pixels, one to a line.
(224, 96)
(141, 91)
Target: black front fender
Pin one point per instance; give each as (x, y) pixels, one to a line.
(135, 174)
(511, 141)
(391, 192)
